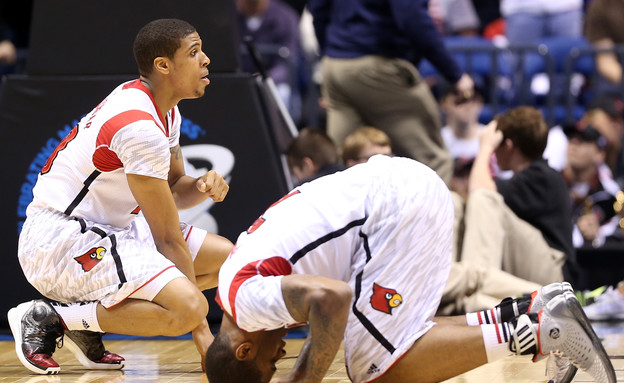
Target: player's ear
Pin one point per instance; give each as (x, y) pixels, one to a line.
(161, 64)
(245, 351)
(308, 165)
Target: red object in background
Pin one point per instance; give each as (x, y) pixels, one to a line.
(495, 28)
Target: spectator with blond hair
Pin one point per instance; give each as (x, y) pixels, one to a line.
(364, 143)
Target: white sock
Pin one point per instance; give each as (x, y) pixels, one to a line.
(490, 316)
(496, 340)
(78, 316)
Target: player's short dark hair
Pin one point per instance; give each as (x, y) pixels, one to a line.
(526, 128)
(159, 38)
(223, 367)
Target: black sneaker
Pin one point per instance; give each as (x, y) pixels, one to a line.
(88, 348)
(36, 327)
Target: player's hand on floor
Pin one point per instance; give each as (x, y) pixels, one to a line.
(214, 185)
(203, 338)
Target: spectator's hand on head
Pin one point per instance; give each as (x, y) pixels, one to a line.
(214, 185)
(465, 86)
(490, 137)
(8, 53)
(588, 225)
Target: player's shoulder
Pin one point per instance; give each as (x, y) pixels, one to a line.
(125, 105)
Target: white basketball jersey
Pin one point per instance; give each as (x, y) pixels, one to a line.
(85, 176)
(384, 227)
(312, 230)
(319, 228)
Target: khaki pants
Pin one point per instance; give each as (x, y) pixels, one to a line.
(496, 237)
(388, 94)
(501, 255)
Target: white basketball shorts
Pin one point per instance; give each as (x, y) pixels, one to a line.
(73, 260)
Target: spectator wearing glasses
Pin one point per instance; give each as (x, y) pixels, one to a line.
(364, 143)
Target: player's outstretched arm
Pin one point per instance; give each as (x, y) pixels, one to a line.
(188, 191)
(324, 303)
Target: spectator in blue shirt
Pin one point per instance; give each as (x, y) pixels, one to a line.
(370, 50)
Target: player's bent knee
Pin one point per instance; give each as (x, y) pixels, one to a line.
(188, 315)
(186, 306)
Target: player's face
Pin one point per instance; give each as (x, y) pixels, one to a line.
(271, 349)
(190, 68)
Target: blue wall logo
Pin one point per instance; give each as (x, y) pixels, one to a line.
(221, 159)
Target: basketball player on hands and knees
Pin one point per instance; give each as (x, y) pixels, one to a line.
(83, 245)
(363, 256)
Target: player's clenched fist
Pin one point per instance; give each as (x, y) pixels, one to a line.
(214, 185)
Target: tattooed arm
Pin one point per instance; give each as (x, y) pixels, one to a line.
(188, 191)
(325, 304)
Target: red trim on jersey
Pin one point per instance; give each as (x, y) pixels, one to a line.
(218, 300)
(188, 234)
(105, 159)
(273, 266)
(140, 287)
(137, 84)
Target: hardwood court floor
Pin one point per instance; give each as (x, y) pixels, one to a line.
(177, 361)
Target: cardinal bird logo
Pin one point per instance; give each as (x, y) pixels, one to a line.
(91, 258)
(385, 299)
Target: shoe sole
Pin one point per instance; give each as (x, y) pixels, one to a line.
(606, 318)
(82, 358)
(575, 307)
(15, 316)
(569, 375)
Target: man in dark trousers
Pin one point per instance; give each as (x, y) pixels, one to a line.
(371, 49)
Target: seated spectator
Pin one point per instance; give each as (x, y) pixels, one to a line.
(592, 190)
(312, 154)
(603, 29)
(455, 17)
(461, 135)
(513, 223)
(14, 35)
(606, 114)
(529, 20)
(274, 28)
(364, 143)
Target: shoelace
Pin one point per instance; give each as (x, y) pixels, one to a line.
(59, 341)
(555, 364)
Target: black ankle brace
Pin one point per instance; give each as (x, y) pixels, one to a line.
(510, 308)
